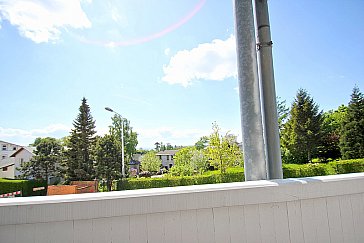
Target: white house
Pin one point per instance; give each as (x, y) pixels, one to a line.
(167, 157)
(9, 165)
(7, 149)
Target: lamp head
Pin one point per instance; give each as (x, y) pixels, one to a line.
(109, 109)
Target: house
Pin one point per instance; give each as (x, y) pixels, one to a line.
(6, 149)
(9, 165)
(167, 157)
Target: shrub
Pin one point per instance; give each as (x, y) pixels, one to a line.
(307, 170)
(171, 181)
(236, 174)
(348, 166)
(26, 186)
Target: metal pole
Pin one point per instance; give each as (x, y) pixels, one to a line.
(266, 76)
(255, 166)
(122, 147)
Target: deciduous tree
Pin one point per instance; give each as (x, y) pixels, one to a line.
(107, 159)
(130, 137)
(46, 161)
(223, 151)
(150, 162)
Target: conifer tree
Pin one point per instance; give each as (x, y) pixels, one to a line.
(79, 162)
(301, 134)
(352, 135)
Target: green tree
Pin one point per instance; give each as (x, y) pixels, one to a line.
(199, 161)
(150, 162)
(223, 151)
(202, 143)
(45, 163)
(282, 112)
(107, 159)
(301, 134)
(169, 146)
(182, 162)
(130, 137)
(352, 135)
(157, 146)
(331, 130)
(79, 162)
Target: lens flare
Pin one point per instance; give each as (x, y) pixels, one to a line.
(151, 37)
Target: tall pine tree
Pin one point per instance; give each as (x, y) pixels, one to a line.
(352, 135)
(301, 134)
(79, 162)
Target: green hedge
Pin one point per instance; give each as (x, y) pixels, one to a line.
(348, 166)
(142, 183)
(237, 174)
(26, 186)
(307, 170)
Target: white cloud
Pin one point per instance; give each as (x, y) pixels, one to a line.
(42, 21)
(167, 51)
(23, 137)
(208, 61)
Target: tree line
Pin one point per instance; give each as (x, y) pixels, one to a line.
(83, 155)
(307, 133)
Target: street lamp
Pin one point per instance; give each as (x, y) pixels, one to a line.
(122, 140)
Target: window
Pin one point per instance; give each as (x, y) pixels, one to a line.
(21, 162)
(3, 157)
(4, 147)
(14, 148)
(5, 168)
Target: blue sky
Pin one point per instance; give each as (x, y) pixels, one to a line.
(167, 66)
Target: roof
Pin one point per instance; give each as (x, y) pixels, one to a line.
(1, 141)
(29, 149)
(167, 152)
(6, 162)
(134, 162)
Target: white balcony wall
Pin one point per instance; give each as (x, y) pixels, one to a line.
(317, 209)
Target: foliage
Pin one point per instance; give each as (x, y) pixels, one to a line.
(282, 112)
(130, 137)
(352, 136)
(202, 143)
(159, 146)
(328, 148)
(236, 174)
(301, 134)
(307, 170)
(46, 161)
(348, 166)
(26, 186)
(150, 162)
(223, 152)
(199, 161)
(81, 142)
(172, 181)
(182, 162)
(107, 159)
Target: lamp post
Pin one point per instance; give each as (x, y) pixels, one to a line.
(122, 140)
